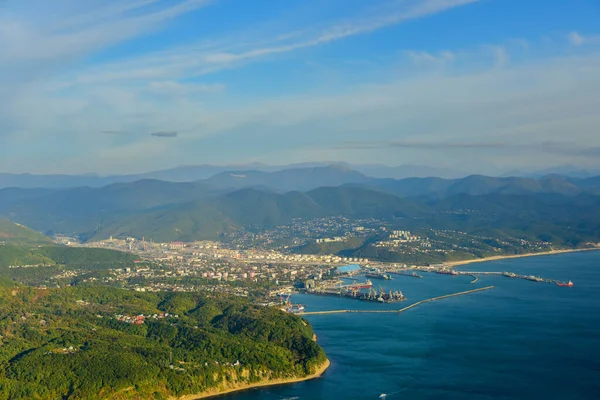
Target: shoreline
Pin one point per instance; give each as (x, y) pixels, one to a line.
(216, 392)
(453, 264)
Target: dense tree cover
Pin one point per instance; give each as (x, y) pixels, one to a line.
(70, 257)
(21, 255)
(67, 343)
(36, 264)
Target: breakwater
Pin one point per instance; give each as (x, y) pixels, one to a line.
(402, 309)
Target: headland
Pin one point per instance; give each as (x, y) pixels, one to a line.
(236, 387)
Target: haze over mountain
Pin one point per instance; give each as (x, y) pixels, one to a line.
(230, 201)
(191, 173)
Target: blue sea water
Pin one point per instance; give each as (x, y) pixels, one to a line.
(520, 340)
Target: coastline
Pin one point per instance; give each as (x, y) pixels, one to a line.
(245, 386)
(496, 258)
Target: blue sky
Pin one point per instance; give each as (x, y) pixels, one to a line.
(125, 86)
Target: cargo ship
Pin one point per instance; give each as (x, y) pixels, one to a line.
(567, 284)
(362, 285)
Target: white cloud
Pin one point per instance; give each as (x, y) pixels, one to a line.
(423, 58)
(198, 60)
(485, 93)
(28, 37)
(576, 39)
(172, 88)
(501, 56)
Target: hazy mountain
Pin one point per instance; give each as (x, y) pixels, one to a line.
(191, 173)
(480, 185)
(407, 171)
(289, 179)
(209, 218)
(78, 210)
(209, 208)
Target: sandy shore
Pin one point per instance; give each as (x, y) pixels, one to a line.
(494, 258)
(245, 386)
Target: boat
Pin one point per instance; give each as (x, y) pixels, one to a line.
(567, 284)
(534, 278)
(362, 285)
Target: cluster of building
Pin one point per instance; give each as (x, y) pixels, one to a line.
(141, 318)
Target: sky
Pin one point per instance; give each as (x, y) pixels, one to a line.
(126, 86)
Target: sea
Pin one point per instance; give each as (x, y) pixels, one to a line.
(519, 340)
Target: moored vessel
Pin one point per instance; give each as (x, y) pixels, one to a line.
(367, 284)
(567, 284)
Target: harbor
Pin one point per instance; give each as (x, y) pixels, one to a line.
(355, 291)
(418, 303)
(444, 270)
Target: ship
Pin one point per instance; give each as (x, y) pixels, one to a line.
(377, 275)
(367, 284)
(567, 284)
(534, 278)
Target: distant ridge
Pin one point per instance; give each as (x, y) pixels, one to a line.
(191, 173)
(211, 208)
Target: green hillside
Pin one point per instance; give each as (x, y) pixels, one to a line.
(12, 255)
(11, 232)
(209, 219)
(70, 344)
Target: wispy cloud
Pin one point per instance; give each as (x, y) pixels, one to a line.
(491, 98)
(424, 58)
(365, 145)
(202, 59)
(551, 147)
(579, 39)
(162, 134)
(40, 35)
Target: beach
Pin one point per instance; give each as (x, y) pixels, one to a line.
(245, 386)
(504, 257)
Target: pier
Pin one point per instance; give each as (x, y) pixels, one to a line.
(406, 273)
(402, 309)
(508, 275)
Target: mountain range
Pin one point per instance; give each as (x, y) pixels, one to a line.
(228, 201)
(192, 173)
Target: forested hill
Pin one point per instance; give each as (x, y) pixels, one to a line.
(70, 257)
(11, 232)
(556, 207)
(90, 343)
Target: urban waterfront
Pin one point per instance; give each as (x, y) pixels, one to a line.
(519, 340)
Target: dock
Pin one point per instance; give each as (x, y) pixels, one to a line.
(406, 273)
(402, 309)
(508, 275)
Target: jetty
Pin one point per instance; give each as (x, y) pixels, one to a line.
(508, 275)
(402, 309)
(406, 273)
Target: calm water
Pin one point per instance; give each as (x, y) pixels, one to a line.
(520, 340)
